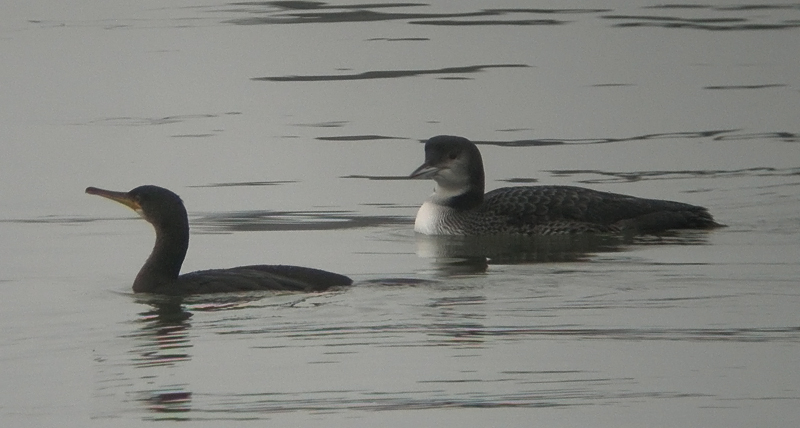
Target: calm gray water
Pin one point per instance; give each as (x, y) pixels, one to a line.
(286, 127)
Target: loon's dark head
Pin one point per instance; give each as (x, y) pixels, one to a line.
(455, 164)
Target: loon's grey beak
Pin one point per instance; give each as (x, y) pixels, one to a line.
(424, 171)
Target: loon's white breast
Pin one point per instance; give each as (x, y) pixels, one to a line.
(430, 219)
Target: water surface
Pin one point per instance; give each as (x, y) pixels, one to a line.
(287, 128)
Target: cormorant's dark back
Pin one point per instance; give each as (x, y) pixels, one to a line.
(459, 207)
(161, 272)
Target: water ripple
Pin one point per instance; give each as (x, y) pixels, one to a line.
(722, 22)
(386, 74)
(154, 121)
(494, 22)
(789, 334)
(713, 135)
(583, 393)
(464, 333)
(248, 183)
(632, 176)
(263, 220)
(736, 87)
(367, 137)
(315, 12)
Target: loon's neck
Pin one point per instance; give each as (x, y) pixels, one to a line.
(458, 192)
(466, 200)
(465, 193)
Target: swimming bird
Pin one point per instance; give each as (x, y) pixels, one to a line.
(160, 273)
(458, 205)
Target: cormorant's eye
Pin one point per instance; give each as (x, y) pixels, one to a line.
(453, 155)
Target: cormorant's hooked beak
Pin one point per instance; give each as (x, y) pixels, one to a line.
(425, 171)
(122, 197)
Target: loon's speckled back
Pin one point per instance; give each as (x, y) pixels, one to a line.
(459, 207)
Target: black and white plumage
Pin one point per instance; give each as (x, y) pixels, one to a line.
(458, 205)
(161, 272)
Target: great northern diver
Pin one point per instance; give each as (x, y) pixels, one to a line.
(459, 207)
(160, 273)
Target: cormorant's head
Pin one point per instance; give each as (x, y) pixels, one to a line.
(155, 204)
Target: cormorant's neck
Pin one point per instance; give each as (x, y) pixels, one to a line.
(164, 264)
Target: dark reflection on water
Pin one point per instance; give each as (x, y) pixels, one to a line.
(313, 12)
(611, 85)
(170, 401)
(459, 255)
(714, 135)
(724, 23)
(494, 22)
(774, 6)
(162, 342)
(386, 74)
(358, 138)
(248, 183)
(630, 176)
(398, 282)
(790, 334)
(453, 324)
(155, 121)
(192, 135)
(163, 335)
(378, 177)
(398, 39)
(329, 124)
(519, 180)
(341, 16)
(786, 137)
(556, 142)
(460, 322)
(734, 87)
(258, 220)
(52, 219)
(730, 18)
(455, 255)
(765, 17)
(573, 393)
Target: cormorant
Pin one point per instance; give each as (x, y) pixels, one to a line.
(161, 272)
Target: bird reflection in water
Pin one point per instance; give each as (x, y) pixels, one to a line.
(165, 326)
(465, 255)
(164, 343)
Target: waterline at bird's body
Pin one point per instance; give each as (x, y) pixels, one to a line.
(458, 205)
